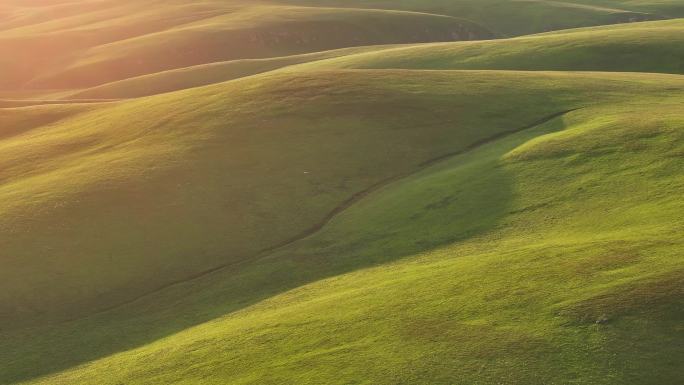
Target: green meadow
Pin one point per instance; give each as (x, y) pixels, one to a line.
(466, 192)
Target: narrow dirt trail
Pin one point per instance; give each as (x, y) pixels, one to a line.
(331, 215)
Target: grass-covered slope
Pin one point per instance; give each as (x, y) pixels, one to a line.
(138, 38)
(16, 121)
(87, 43)
(639, 47)
(550, 255)
(37, 37)
(515, 17)
(204, 74)
(396, 214)
(126, 198)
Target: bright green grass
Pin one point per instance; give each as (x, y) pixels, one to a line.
(641, 47)
(491, 267)
(514, 17)
(550, 256)
(103, 190)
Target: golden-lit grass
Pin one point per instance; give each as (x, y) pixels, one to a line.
(131, 196)
(638, 47)
(204, 74)
(367, 215)
(542, 256)
(134, 38)
(74, 45)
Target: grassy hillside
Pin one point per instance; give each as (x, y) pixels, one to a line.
(16, 121)
(341, 192)
(103, 190)
(88, 43)
(40, 36)
(204, 74)
(546, 255)
(513, 18)
(640, 47)
(135, 38)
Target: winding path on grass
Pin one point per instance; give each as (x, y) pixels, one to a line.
(332, 214)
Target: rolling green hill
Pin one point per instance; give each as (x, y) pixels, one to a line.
(102, 189)
(337, 192)
(515, 259)
(641, 47)
(204, 74)
(515, 17)
(91, 42)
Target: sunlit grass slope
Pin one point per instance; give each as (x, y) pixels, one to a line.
(386, 213)
(126, 198)
(547, 256)
(204, 74)
(639, 47)
(38, 36)
(516, 17)
(15, 121)
(133, 38)
(68, 45)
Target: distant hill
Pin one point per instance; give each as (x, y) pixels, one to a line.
(109, 44)
(641, 47)
(514, 18)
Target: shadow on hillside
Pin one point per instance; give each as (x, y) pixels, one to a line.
(451, 201)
